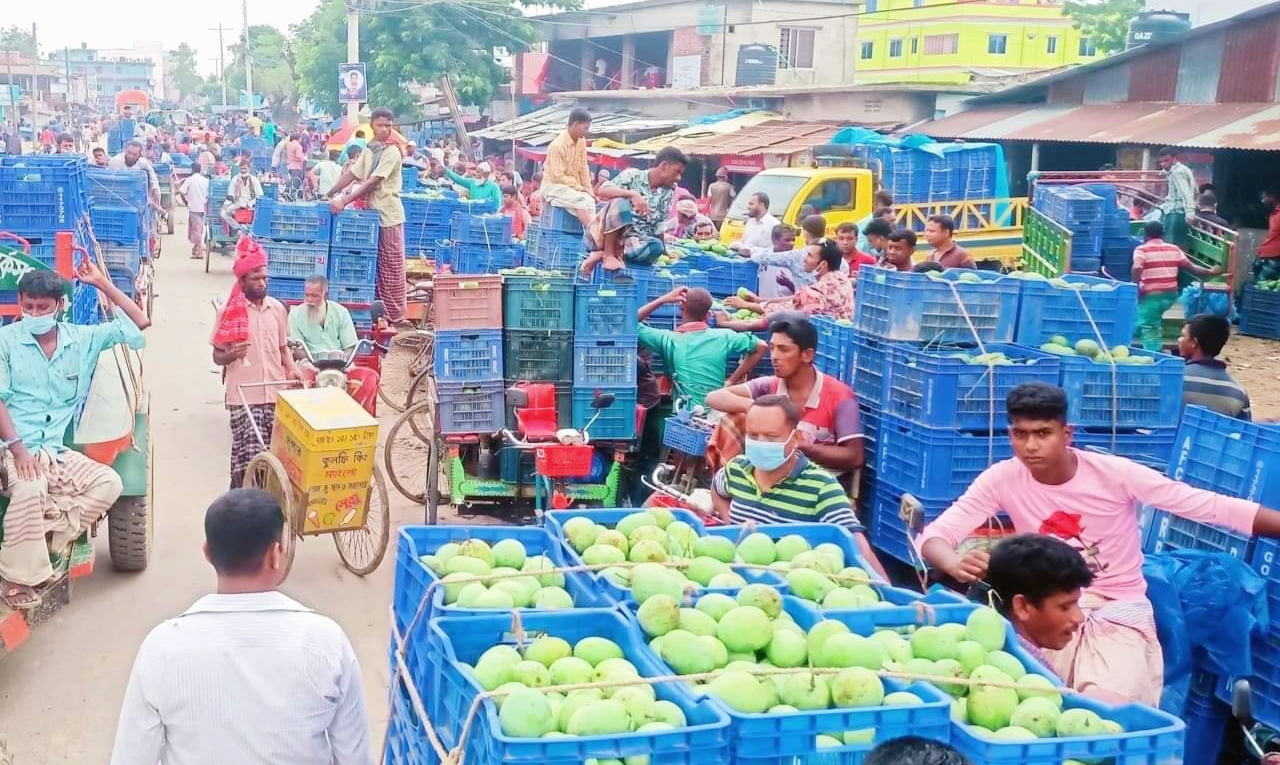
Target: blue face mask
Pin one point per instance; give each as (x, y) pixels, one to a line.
(766, 455)
(39, 325)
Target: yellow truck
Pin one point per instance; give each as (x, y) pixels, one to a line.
(991, 229)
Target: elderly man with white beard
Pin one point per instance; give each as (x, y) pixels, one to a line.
(319, 323)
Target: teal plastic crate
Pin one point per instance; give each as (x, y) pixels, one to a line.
(541, 301)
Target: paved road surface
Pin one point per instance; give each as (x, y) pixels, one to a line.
(60, 692)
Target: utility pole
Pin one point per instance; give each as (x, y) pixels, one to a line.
(16, 115)
(35, 86)
(222, 69)
(248, 54)
(66, 60)
(353, 54)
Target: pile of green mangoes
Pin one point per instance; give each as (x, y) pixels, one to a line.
(1061, 346)
(1271, 285)
(709, 245)
(1061, 283)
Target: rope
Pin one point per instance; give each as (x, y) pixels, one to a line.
(1111, 360)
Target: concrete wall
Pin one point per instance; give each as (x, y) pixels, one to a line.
(856, 106)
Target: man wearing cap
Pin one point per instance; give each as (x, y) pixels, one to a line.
(480, 187)
(250, 343)
(686, 220)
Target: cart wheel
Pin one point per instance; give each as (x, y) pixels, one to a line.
(131, 527)
(408, 456)
(267, 473)
(168, 224)
(423, 389)
(208, 248)
(409, 353)
(361, 550)
(434, 500)
(151, 298)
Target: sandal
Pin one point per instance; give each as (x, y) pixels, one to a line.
(20, 596)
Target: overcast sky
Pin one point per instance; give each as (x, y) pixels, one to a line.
(72, 22)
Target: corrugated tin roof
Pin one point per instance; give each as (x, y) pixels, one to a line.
(541, 127)
(1209, 126)
(684, 136)
(780, 137)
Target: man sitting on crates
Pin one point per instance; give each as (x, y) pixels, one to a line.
(1090, 501)
(46, 367)
(243, 193)
(566, 178)
(251, 343)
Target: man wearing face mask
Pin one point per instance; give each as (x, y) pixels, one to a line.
(773, 482)
(45, 370)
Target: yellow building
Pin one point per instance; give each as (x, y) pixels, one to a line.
(941, 41)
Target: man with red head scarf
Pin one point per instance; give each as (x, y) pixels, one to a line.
(250, 343)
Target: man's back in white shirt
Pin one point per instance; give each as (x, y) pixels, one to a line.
(195, 189)
(118, 163)
(245, 679)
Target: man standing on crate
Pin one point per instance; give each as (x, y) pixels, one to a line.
(1090, 501)
(376, 176)
(250, 342)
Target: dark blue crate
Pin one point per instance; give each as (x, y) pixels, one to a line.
(467, 355)
(295, 260)
(560, 220)
(726, 273)
(218, 188)
(117, 224)
(1047, 310)
(1265, 559)
(539, 355)
(1147, 446)
(685, 437)
(457, 640)
(423, 239)
(653, 283)
(126, 282)
(539, 301)
(936, 388)
(355, 230)
(484, 259)
(271, 190)
(289, 290)
(362, 318)
(407, 744)
(1124, 395)
(1172, 532)
(605, 309)
(835, 348)
(1260, 313)
(1069, 204)
(353, 267)
(292, 221)
(122, 257)
(617, 422)
(1223, 454)
(491, 228)
(468, 408)
(935, 462)
(121, 188)
(348, 294)
(869, 417)
(868, 360)
(898, 306)
(1265, 682)
(604, 361)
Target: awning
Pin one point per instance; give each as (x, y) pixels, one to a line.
(1200, 126)
(779, 137)
(680, 138)
(540, 128)
(613, 158)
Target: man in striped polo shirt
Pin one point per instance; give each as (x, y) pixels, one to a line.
(1155, 271)
(772, 482)
(1205, 380)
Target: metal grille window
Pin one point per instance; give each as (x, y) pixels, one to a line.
(795, 48)
(997, 44)
(895, 47)
(915, 45)
(868, 50)
(937, 45)
(1051, 46)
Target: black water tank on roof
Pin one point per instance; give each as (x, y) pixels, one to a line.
(1156, 26)
(757, 65)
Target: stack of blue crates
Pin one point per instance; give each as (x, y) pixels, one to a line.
(913, 176)
(426, 222)
(604, 356)
(481, 243)
(559, 244)
(41, 195)
(538, 335)
(1082, 213)
(353, 256)
(121, 217)
(1260, 312)
(296, 238)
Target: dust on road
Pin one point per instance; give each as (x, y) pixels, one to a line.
(1255, 362)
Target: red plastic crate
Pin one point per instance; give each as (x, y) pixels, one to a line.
(563, 460)
(468, 302)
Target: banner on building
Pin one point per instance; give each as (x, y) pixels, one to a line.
(686, 71)
(353, 88)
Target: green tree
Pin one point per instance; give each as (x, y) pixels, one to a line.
(273, 70)
(182, 74)
(1104, 22)
(417, 44)
(18, 40)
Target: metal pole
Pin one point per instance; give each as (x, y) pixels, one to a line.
(16, 116)
(66, 59)
(248, 54)
(353, 55)
(222, 69)
(35, 87)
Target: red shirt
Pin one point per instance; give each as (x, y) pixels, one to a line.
(1270, 246)
(857, 259)
(46, 138)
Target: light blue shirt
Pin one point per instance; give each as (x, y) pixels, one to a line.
(43, 394)
(793, 261)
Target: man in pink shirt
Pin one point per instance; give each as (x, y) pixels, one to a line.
(1091, 502)
(295, 159)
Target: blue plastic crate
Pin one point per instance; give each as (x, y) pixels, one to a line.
(869, 418)
(407, 744)
(470, 408)
(685, 437)
(422, 210)
(1265, 681)
(423, 238)
(218, 188)
(347, 294)
(260, 163)
(604, 361)
(454, 641)
(124, 281)
(556, 251)
(121, 257)
(560, 220)
(1229, 456)
(936, 388)
(289, 290)
(117, 224)
(539, 355)
(295, 260)
(1047, 310)
(898, 306)
(483, 259)
(835, 348)
(492, 229)
(85, 306)
(123, 188)
(887, 532)
(605, 309)
(1124, 395)
(1069, 204)
(1148, 446)
(468, 355)
(353, 267)
(935, 462)
(1260, 313)
(271, 190)
(652, 284)
(616, 422)
(1171, 532)
(868, 359)
(1265, 559)
(292, 221)
(539, 301)
(356, 230)
(726, 273)
(53, 182)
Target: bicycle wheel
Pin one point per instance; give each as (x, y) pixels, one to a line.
(267, 473)
(407, 456)
(407, 355)
(423, 389)
(361, 550)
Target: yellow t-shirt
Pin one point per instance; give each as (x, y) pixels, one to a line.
(385, 197)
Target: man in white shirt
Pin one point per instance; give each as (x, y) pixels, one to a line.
(757, 236)
(245, 676)
(242, 194)
(194, 191)
(131, 159)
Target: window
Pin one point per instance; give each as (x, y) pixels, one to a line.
(917, 3)
(997, 44)
(895, 47)
(868, 50)
(831, 195)
(871, 6)
(1087, 48)
(795, 49)
(1051, 47)
(915, 45)
(937, 45)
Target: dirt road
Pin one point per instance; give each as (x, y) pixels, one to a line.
(1256, 365)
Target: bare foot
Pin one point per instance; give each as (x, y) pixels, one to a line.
(590, 263)
(613, 263)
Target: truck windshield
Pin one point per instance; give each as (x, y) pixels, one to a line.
(780, 189)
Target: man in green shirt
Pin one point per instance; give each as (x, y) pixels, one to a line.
(320, 324)
(480, 187)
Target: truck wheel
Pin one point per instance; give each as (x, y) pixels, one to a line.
(131, 529)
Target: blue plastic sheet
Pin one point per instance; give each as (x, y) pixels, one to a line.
(1197, 300)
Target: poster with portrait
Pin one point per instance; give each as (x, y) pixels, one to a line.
(353, 88)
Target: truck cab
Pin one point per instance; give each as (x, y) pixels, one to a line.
(838, 194)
